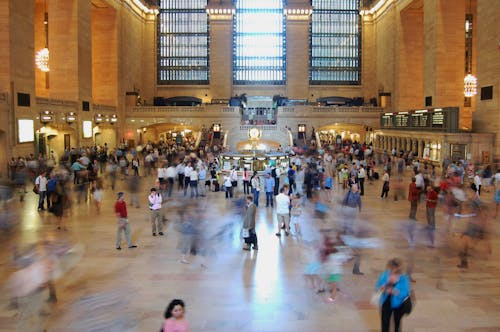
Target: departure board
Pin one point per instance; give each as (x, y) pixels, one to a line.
(401, 120)
(387, 120)
(419, 120)
(437, 119)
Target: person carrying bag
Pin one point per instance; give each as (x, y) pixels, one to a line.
(394, 287)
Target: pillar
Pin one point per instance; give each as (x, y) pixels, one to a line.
(444, 56)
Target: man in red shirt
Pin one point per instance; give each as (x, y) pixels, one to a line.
(413, 198)
(121, 214)
(430, 204)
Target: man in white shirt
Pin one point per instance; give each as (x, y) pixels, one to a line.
(155, 201)
(187, 177)
(171, 173)
(179, 169)
(41, 184)
(361, 180)
(420, 183)
(283, 211)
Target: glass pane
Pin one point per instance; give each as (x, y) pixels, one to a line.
(183, 42)
(335, 42)
(259, 42)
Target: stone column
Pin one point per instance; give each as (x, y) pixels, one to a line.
(444, 55)
(297, 53)
(70, 49)
(221, 55)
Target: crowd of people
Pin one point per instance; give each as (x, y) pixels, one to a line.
(302, 190)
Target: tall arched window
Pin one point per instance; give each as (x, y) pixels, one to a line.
(183, 42)
(335, 45)
(259, 42)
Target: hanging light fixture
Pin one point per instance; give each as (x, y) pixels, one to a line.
(42, 56)
(470, 81)
(470, 85)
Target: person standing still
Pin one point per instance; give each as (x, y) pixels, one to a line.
(269, 186)
(249, 223)
(256, 188)
(246, 181)
(395, 287)
(283, 211)
(155, 201)
(41, 184)
(361, 180)
(123, 224)
(413, 198)
(385, 185)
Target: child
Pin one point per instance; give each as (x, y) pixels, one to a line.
(296, 212)
(174, 317)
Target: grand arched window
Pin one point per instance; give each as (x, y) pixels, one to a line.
(335, 43)
(259, 42)
(183, 42)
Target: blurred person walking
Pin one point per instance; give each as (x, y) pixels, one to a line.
(430, 208)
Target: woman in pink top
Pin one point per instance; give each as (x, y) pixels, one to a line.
(174, 317)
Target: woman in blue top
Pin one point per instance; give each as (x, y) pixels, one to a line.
(395, 288)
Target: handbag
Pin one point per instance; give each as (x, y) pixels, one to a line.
(245, 232)
(375, 300)
(36, 189)
(408, 303)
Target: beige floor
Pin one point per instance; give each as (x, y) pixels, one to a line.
(245, 291)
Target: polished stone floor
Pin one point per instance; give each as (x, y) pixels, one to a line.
(264, 291)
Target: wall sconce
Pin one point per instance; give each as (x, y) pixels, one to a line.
(302, 128)
(98, 118)
(113, 119)
(216, 127)
(71, 117)
(46, 117)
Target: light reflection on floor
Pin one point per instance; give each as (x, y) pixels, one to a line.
(246, 291)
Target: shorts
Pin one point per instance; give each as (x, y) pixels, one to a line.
(328, 183)
(335, 277)
(284, 219)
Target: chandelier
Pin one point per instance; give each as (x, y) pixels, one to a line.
(42, 59)
(470, 81)
(470, 85)
(42, 56)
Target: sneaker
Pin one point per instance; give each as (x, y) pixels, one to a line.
(161, 233)
(246, 248)
(255, 248)
(185, 261)
(154, 234)
(118, 248)
(132, 246)
(278, 234)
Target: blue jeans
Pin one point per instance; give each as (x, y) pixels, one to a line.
(255, 197)
(269, 198)
(41, 198)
